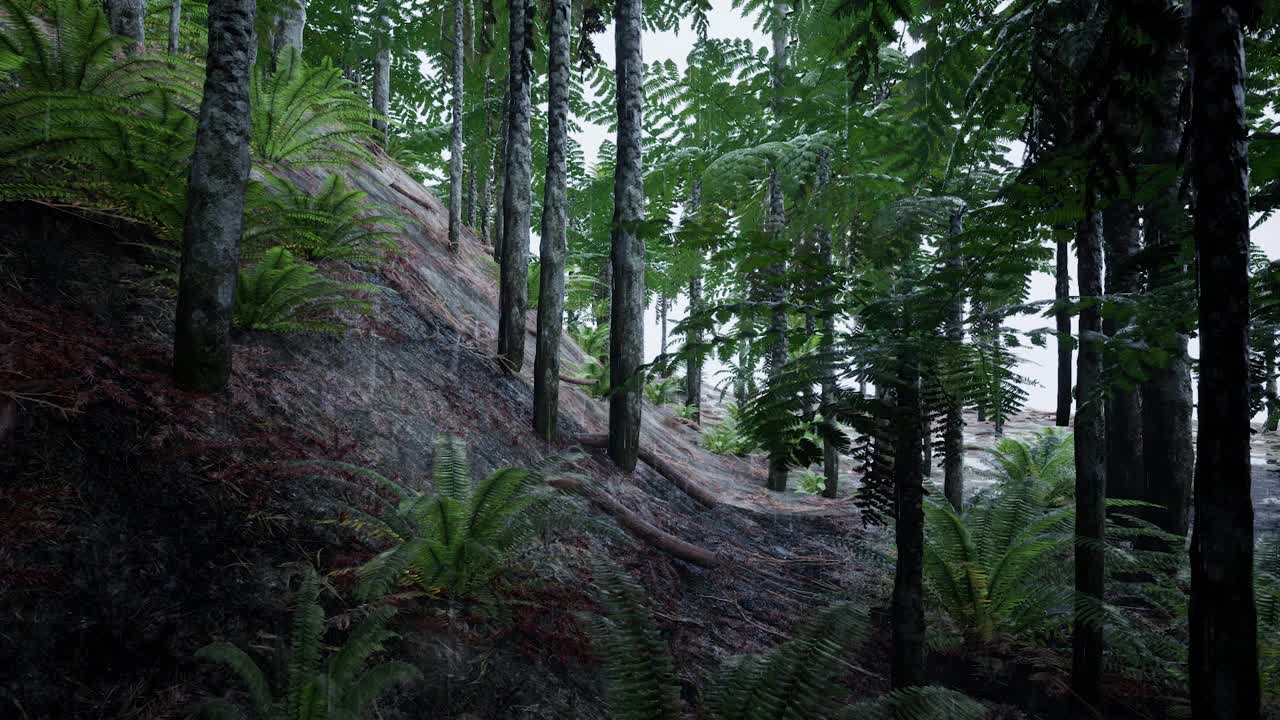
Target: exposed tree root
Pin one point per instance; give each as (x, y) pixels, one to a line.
(637, 525)
(680, 475)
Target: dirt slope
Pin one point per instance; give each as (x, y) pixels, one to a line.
(138, 522)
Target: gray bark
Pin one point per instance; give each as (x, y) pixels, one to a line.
(693, 371)
(500, 188)
(555, 218)
(953, 433)
(126, 18)
(830, 454)
(175, 26)
(382, 78)
(517, 192)
(215, 203)
(1125, 476)
(455, 139)
(1062, 318)
(626, 330)
(1273, 397)
(1091, 469)
(775, 223)
(290, 23)
(1223, 664)
(907, 613)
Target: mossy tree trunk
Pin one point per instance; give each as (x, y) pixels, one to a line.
(127, 18)
(290, 23)
(693, 368)
(215, 203)
(175, 26)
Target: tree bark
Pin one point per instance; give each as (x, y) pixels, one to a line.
(1062, 317)
(555, 218)
(679, 474)
(775, 224)
(500, 190)
(1125, 475)
(907, 653)
(1273, 397)
(517, 191)
(215, 203)
(830, 455)
(290, 24)
(1168, 452)
(455, 136)
(175, 26)
(953, 433)
(693, 370)
(126, 18)
(1091, 470)
(1223, 621)
(626, 328)
(382, 78)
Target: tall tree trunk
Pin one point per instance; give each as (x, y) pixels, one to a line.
(290, 24)
(907, 653)
(500, 189)
(830, 455)
(626, 329)
(1125, 475)
(1273, 397)
(1091, 470)
(555, 218)
(1224, 642)
(126, 18)
(1168, 451)
(604, 295)
(953, 433)
(175, 26)
(693, 370)
(455, 137)
(382, 77)
(517, 191)
(215, 203)
(663, 305)
(775, 224)
(1062, 317)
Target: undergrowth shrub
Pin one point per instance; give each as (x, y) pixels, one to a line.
(281, 294)
(306, 114)
(308, 686)
(336, 224)
(728, 437)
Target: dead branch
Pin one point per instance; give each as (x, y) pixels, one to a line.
(679, 475)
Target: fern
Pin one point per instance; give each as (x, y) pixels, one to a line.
(281, 294)
(336, 224)
(307, 115)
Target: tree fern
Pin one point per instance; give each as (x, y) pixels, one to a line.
(308, 115)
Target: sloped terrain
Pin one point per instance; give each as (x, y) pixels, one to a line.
(138, 522)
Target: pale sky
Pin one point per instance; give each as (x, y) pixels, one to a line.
(725, 22)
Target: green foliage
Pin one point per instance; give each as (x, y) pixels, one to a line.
(457, 539)
(307, 115)
(282, 294)
(1266, 588)
(339, 689)
(795, 681)
(661, 391)
(810, 482)
(727, 437)
(336, 224)
(1047, 456)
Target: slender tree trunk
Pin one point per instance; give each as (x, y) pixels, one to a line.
(215, 203)
(382, 78)
(693, 370)
(1091, 470)
(555, 218)
(126, 18)
(626, 330)
(775, 224)
(500, 191)
(953, 433)
(907, 653)
(604, 295)
(455, 138)
(516, 201)
(1273, 397)
(290, 24)
(1224, 641)
(830, 454)
(175, 26)
(1125, 475)
(1062, 316)
(1168, 452)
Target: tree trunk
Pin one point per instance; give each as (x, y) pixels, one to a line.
(1125, 475)
(555, 218)
(382, 78)
(127, 19)
(290, 23)
(775, 224)
(1062, 316)
(500, 190)
(1168, 452)
(215, 203)
(953, 433)
(626, 329)
(604, 295)
(663, 305)
(693, 371)
(1273, 397)
(175, 26)
(455, 137)
(907, 650)
(830, 455)
(1223, 621)
(1091, 470)
(517, 191)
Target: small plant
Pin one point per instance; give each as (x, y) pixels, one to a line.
(281, 294)
(340, 689)
(309, 115)
(727, 437)
(687, 412)
(335, 224)
(457, 539)
(1047, 456)
(661, 391)
(810, 482)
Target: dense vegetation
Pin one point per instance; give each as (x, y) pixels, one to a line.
(842, 215)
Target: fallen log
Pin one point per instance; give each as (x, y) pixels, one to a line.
(577, 381)
(637, 525)
(679, 475)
